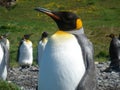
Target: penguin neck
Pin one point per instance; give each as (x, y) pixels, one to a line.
(79, 31)
(27, 40)
(44, 40)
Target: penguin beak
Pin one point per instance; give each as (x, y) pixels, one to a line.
(48, 12)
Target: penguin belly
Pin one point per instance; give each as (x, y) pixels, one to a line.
(3, 67)
(62, 65)
(41, 47)
(26, 54)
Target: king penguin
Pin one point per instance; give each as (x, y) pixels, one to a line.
(4, 59)
(5, 40)
(67, 62)
(114, 52)
(25, 52)
(41, 45)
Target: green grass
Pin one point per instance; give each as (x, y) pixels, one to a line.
(100, 17)
(4, 85)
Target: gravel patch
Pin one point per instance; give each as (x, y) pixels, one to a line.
(107, 80)
(27, 78)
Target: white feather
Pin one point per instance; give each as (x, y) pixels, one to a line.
(26, 53)
(41, 46)
(62, 65)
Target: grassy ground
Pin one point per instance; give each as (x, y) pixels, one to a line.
(100, 17)
(8, 86)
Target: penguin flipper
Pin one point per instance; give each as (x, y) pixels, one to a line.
(18, 51)
(88, 81)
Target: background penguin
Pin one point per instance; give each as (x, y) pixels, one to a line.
(114, 52)
(67, 62)
(41, 45)
(4, 59)
(25, 52)
(5, 40)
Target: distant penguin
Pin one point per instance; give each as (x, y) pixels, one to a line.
(114, 52)
(25, 52)
(41, 45)
(67, 62)
(4, 59)
(6, 41)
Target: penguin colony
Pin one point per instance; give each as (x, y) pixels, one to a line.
(67, 60)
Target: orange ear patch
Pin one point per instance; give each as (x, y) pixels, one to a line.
(78, 23)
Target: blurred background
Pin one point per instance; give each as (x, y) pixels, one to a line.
(100, 18)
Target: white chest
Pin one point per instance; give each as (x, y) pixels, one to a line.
(3, 66)
(26, 53)
(41, 47)
(62, 65)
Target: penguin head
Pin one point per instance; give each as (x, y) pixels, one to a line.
(65, 21)
(44, 35)
(27, 36)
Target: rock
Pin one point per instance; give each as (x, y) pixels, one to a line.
(26, 78)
